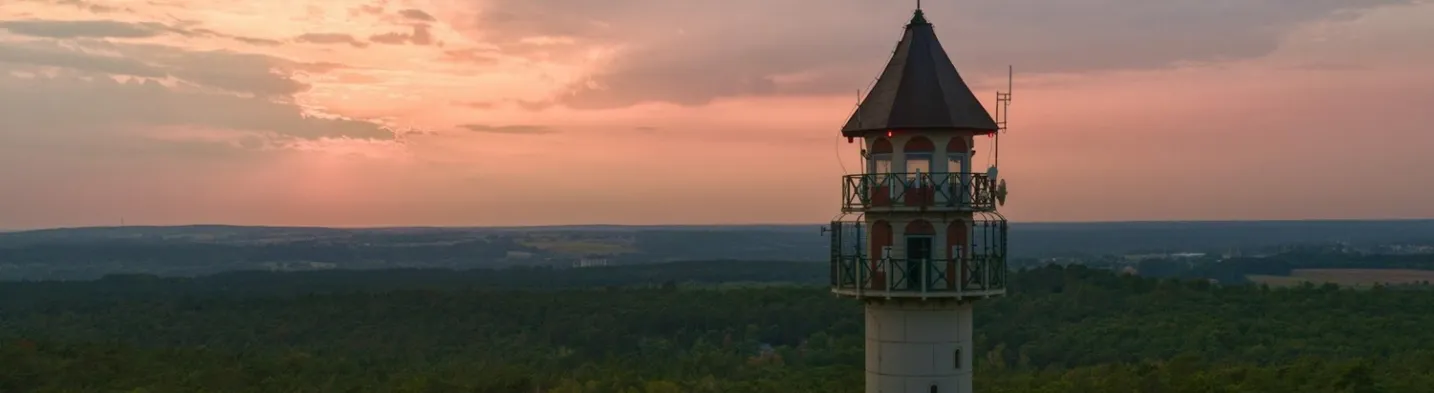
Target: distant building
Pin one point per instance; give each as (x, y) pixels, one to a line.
(591, 262)
(519, 255)
(1178, 255)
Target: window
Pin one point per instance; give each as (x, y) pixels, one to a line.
(880, 173)
(979, 241)
(956, 360)
(933, 388)
(955, 163)
(918, 164)
(881, 163)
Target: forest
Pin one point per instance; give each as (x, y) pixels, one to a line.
(89, 253)
(1234, 271)
(757, 327)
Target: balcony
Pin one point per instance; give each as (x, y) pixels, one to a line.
(892, 192)
(975, 277)
(976, 268)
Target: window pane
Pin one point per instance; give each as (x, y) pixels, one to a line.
(881, 163)
(918, 163)
(954, 165)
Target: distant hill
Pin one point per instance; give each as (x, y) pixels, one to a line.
(1055, 239)
(68, 253)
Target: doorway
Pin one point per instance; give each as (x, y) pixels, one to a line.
(918, 258)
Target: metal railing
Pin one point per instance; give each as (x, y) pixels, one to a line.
(960, 190)
(918, 277)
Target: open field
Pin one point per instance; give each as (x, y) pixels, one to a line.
(580, 244)
(1348, 277)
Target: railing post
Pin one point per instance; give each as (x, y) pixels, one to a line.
(986, 274)
(892, 194)
(889, 274)
(925, 265)
(845, 192)
(860, 277)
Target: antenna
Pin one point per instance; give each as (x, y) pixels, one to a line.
(1003, 110)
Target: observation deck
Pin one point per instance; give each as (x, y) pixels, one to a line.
(898, 192)
(964, 260)
(977, 277)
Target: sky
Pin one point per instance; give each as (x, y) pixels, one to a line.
(541, 112)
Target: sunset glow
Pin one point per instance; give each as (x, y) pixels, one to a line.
(533, 112)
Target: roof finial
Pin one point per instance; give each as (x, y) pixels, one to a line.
(919, 18)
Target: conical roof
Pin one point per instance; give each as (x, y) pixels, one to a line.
(920, 89)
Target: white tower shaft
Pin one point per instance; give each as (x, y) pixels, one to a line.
(915, 346)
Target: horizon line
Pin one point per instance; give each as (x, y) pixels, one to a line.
(561, 226)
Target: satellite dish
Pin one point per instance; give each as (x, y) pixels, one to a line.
(1001, 192)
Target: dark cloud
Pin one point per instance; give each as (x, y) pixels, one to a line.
(418, 15)
(203, 32)
(367, 9)
(690, 52)
(534, 105)
(478, 105)
(257, 41)
(240, 72)
(1329, 66)
(244, 73)
(318, 68)
(83, 28)
(475, 56)
(248, 74)
(512, 129)
(88, 6)
(71, 29)
(390, 38)
(527, 105)
(419, 36)
(72, 106)
(47, 54)
(330, 38)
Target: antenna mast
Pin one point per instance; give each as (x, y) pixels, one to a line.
(1003, 110)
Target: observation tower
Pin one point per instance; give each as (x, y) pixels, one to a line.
(920, 241)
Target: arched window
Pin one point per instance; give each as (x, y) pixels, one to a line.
(881, 238)
(919, 182)
(918, 155)
(880, 184)
(956, 155)
(880, 159)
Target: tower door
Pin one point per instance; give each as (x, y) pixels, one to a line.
(918, 257)
(918, 248)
